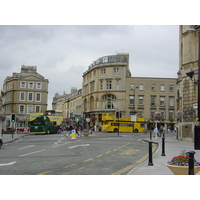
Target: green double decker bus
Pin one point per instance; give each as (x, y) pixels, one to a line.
(42, 125)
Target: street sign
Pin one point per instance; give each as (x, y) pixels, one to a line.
(133, 118)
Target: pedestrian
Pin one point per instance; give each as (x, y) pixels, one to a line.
(155, 131)
(90, 131)
(77, 129)
(161, 131)
(70, 130)
(80, 129)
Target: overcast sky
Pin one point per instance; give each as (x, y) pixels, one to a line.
(63, 53)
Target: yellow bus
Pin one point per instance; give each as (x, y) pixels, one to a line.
(124, 125)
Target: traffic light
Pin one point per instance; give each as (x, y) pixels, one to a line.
(13, 117)
(73, 118)
(117, 114)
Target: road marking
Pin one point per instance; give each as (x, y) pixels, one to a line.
(129, 152)
(26, 147)
(88, 159)
(99, 155)
(81, 145)
(69, 165)
(108, 151)
(58, 145)
(44, 173)
(6, 164)
(133, 165)
(32, 153)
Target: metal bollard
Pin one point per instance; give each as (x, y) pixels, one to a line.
(191, 162)
(150, 135)
(150, 154)
(163, 146)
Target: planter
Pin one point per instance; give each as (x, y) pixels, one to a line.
(182, 170)
(85, 134)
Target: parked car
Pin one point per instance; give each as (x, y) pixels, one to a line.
(1, 142)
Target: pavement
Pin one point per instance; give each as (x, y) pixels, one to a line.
(172, 148)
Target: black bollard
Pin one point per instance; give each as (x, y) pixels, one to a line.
(191, 162)
(150, 154)
(163, 146)
(150, 135)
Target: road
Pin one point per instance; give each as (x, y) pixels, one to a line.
(55, 154)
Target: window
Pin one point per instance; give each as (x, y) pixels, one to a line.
(101, 85)
(162, 113)
(171, 88)
(38, 96)
(116, 70)
(141, 87)
(30, 96)
(109, 102)
(29, 109)
(22, 84)
(31, 85)
(140, 112)
(37, 109)
(162, 101)
(132, 87)
(22, 96)
(92, 86)
(131, 100)
(103, 71)
(171, 101)
(105, 59)
(162, 88)
(21, 109)
(141, 100)
(38, 85)
(153, 100)
(171, 114)
(153, 87)
(108, 85)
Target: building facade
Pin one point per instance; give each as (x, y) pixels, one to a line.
(24, 93)
(108, 86)
(187, 86)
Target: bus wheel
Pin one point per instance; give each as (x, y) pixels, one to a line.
(115, 130)
(135, 131)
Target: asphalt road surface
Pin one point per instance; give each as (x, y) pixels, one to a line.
(55, 154)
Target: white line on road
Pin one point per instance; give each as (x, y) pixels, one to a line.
(58, 145)
(26, 147)
(6, 164)
(81, 145)
(32, 153)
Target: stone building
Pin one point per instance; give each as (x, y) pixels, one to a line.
(187, 87)
(108, 86)
(24, 93)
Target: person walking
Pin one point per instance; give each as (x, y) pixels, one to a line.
(155, 132)
(70, 130)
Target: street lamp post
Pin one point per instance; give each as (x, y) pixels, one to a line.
(197, 125)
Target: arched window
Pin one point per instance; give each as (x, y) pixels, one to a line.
(109, 102)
